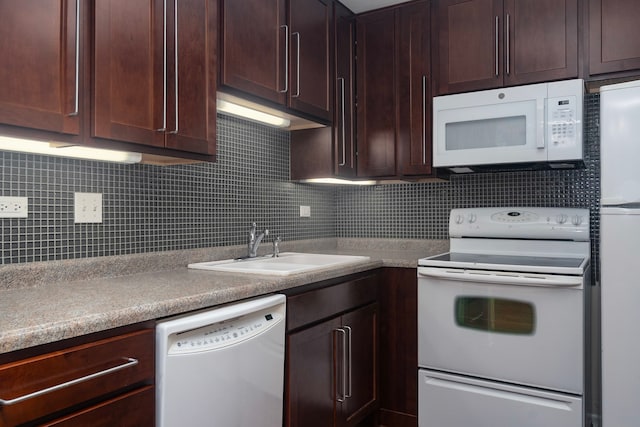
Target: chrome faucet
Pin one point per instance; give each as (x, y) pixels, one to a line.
(276, 246)
(255, 239)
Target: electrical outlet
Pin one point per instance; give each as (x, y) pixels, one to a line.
(87, 208)
(14, 207)
(305, 211)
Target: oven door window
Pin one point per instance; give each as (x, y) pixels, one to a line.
(495, 315)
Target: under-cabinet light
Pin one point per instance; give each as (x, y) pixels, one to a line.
(251, 114)
(338, 181)
(73, 151)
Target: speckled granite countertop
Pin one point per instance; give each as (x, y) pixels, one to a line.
(50, 301)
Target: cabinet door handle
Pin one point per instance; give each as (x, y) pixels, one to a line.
(164, 71)
(342, 122)
(496, 47)
(342, 394)
(507, 46)
(129, 363)
(424, 120)
(349, 364)
(76, 102)
(286, 58)
(297, 35)
(175, 65)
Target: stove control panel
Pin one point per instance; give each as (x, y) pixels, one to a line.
(521, 223)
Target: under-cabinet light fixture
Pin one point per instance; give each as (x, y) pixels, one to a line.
(338, 181)
(73, 151)
(251, 114)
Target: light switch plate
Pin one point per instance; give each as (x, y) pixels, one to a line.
(87, 208)
(14, 207)
(305, 211)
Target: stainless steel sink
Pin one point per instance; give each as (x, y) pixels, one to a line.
(287, 263)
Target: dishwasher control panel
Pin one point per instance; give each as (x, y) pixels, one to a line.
(225, 333)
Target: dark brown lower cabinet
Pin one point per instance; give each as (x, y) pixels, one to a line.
(105, 379)
(398, 292)
(332, 355)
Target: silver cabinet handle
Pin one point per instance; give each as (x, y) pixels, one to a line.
(340, 397)
(129, 363)
(507, 46)
(76, 104)
(175, 41)
(342, 122)
(297, 35)
(286, 58)
(424, 120)
(164, 72)
(349, 364)
(497, 53)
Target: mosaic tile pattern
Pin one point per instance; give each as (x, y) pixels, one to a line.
(152, 208)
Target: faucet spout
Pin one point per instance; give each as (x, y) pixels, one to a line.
(255, 240)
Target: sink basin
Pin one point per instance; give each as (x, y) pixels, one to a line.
(287, 263)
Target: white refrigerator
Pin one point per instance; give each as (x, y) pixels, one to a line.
(620, 253)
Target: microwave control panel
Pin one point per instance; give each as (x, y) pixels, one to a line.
(564, 126)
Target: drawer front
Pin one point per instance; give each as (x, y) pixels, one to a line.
(134, 409)
(50, 383)
(326, 302)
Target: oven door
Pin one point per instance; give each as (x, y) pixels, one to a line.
(518, 329)
(452, 400)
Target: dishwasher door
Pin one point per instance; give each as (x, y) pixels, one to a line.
(222, 367)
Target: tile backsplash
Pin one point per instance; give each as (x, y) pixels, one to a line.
(152, 208)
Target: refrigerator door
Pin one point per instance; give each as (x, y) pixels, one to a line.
(620, 254)
(620, 143)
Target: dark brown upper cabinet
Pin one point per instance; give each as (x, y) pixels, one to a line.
(613, 36)
(483, 44)
(394, 96)
(154, 73)
(277, 56)
(40, 80)
(414, 85)
(330, 151)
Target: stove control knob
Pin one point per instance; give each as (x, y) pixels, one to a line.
(472, 218)
(561, 219)
(576, 220)
(459, 219)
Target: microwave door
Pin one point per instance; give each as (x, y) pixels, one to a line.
(491, 134)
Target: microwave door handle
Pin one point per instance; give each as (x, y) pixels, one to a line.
(542, 124)
(500, 279)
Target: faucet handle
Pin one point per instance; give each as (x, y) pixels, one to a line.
(276, 246)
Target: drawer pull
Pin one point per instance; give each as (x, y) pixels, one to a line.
(129, 363)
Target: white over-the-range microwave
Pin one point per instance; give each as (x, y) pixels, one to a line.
(534, 126)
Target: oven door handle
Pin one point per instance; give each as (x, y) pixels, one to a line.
(502, 278)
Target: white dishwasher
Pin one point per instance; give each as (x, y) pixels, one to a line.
(222, 367)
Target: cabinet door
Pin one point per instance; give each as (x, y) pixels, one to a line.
(254, 40)
(362, 364)
(310, 73)
(129, 99)
(311, 391)
(541, 40)
(467, 45)
(414, 132)
(191, 103)
(613, 36)
(40, 72)
(344, 121)
(376, 105)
